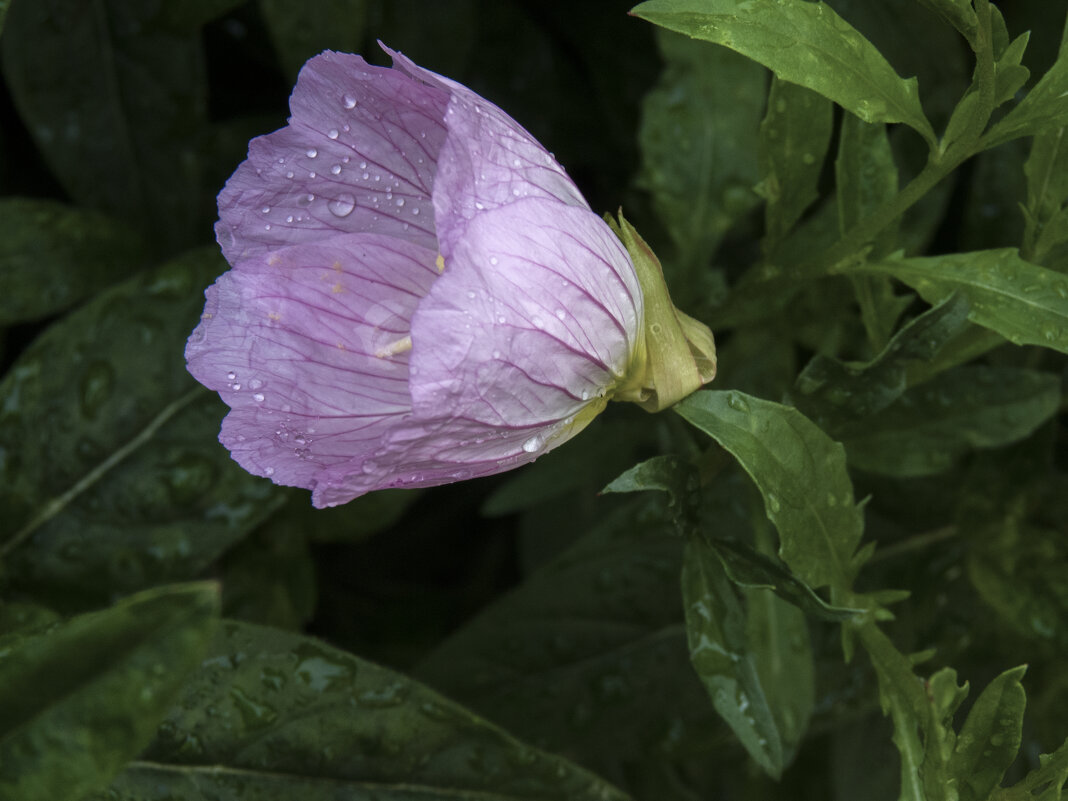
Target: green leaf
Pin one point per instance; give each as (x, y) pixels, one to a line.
(805, 43)
(719, 651)
(932, 425)
(193, 14)
(277, 716)
(302, 30)
(752, 570)
(81, 698)
(794, 137)
(1044, 108)
(1025, 303)
(270, 577)
(833, 393)
(116, 103)
(958, 13)
(990, 738)
(697, 140)
(111, 475)
(53, 255)
(598, 631)
(1045, 783)
(1045, 219)
(866, 179)
(801, 474)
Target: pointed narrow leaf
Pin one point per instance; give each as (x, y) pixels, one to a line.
(805, 43)
(715, 630)
(698, 143)
(794, 137)
(991, 737)
(1025, 303)
(1044, 783)
(81, 698)
(800, 471)
(273, 715)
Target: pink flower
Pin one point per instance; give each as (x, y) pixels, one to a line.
(418, 294)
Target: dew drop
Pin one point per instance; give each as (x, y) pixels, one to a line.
(471, 294)
(289, 174)
(496, 354)
(560, 314)
(311, 153)
(342, 206)
(265, 209)
(269, 471)
(400, 202)
(311, 174)
(537, 322)
(532, 444)
(479, 206)
(493, 260)
(231, 376)
(289, 219)
(363, 166)
(336, 169)
(255, 383)
(585, 395)
(236, 387)
(305, 200)
(332, 133)
(258, 397)
(267, 227)
(348, 101)
(500, 319)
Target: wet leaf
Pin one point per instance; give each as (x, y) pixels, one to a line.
(697, 137)
(990, 738)
(929, 427)
(1025, 303)
(82, 697)
(111, 475)
(801, 474)
(719, 651)
(794, 137)
(53, 255)
(805, 43)
(273, 715)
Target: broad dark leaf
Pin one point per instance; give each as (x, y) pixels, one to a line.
(80, 698)
(277, 716)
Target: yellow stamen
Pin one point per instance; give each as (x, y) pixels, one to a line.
(392, 349)
(440, 264)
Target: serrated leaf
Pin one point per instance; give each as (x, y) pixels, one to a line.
(794, 136)
(990, 738)
(805, 43)
(276, 716)
(53, 255)
(126, 141)
(302, 30)
(81, 698)
(697, 139)
(111, 476)
(1044, 108)
(1044, 783)
(834, 393)
(932, 425)
(719, 651)
(801, 474)
(1025, 303)
(599, 631)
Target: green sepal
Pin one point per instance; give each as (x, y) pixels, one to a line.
(675, 355)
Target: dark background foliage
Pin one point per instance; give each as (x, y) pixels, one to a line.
(551, 610)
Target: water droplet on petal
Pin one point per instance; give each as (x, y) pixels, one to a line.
(532, 444)
(269, 471)
(493, 260)
(255, 383)
(332, 133)
(258, 397)
(560, 314)
(348, 101)
(265, 209)
(400, 202)
(336, 169)
(231, 376)
(342, 206)
(312, 152)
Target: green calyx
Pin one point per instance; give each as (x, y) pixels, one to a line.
(675, 354)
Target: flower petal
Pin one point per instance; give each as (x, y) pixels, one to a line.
(488, 160)
(290, 342)
(359, 154)
(534, 316)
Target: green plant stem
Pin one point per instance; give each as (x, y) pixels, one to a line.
(917, 543)
(57, 504)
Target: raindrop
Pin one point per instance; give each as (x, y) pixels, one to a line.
(471, 294)
(532, 444)
(255, 383)
(585, 395)
(258, 397)
(342, 206)
(289, 174)
(265, 209)
(496, 354)
(400, 202)
(415, 212)
(231, 376)
(289, 219)
(363, 166)
(365, 176)
(500, 318)
(311, 174)
(479, 206)
(493, 260)
(312, 153)
(269, 471)
(336, 169)
(267, 227)
(236, 387)
(348, 101)
(305, 200)
(537, 322)
(560, 314)
(332, 133)
(737, 403)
